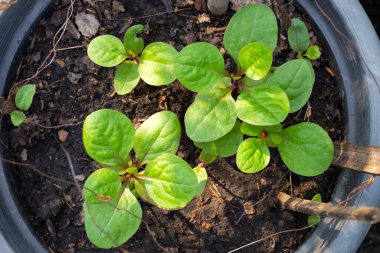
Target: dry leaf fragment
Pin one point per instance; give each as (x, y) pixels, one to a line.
(62, 135)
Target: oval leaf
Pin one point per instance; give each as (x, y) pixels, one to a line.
(159, 134)
(252, 156)
(202, 179)
(206, 158)
(126, 77)
(253, 23)
(133, 44)
(24, 96)
(252, 130)
(106, 51)
(262, 105)
(306, 149)
(298, 35)
(17, 117)
(169, 182)
(108, 136)
(156, 64)
(256, 60)
(313, 52)
(296, 78)
(199, 66)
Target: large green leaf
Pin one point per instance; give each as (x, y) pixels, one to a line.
(159, 134)
(253, 23)
(106, 51)
(169, 182)
(156, 64)
(202, 179)
(108, 136)
(211, 116)
(306, 149)
(126, 77)
(262, 105)
(296, 78)
(199, 66)
(256, 60)
(253, 130)
(252, 155)
(17, 117)
(225, 146)
(111, 224)
(298, 35)
(24, 96)
(133, 44)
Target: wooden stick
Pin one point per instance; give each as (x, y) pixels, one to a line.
(360, 213)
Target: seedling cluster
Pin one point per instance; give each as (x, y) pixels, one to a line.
(23, 101)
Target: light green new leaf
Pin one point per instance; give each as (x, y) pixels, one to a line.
(169, 182)
(298, 35)
(314, 219)
(24, 96)
(306, 149)
(317, 198)
(273, 140)
(199, 66)
(106, 51)
(256, 60)
(252, 130)
(206, 158)
(313, 52)
(159, 134)
(253, 23)
(156, 64)
(109, 225)
(225, 146)
(133, 44)
(108, 136)
(262, 105)
(17, 117)
(211, 116)
(296, 78)
(126, 77)
(202, 179)
(252, 156)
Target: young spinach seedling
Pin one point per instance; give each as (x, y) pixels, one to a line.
(314, 219)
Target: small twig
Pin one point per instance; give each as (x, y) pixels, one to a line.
(360, 188)
(69, 48)
(69, 160)
(58, 126)
(150, 16)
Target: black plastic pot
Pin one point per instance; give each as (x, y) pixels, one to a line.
(354, 48)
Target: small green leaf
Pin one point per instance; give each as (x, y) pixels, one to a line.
(252, 130)
(202, 179)
(256, 60)
(169, 182)
(207, 159)
(262, 105)
(298, 35)
(313, 220)
(296, 78)
(111, 224)
(159, 134)
(17, 117)
(132, 43)
(252, 156)
(306, 149)
(24, 96)
(214, 110)
(313, 52)
(108, 136)
(106, 51)
(199, 66)
(317, 197)
(156, 64)
(225, 146)
(250, 83)
(253, 23)
(126, 77)
(273, 140)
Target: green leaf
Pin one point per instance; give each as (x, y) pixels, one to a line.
(225, 146)
(250, 83)
(298, 35)
(206, 158)
(201, 174)
(133, 44)
(317, 198)
(111, 224)
(313, 52)
(252, 130)
(106, 51)
(256, 60)
(108, 136)
(24, 96)
(306, 149)
(313, 220)
(214, 110)
(199, 66)
(252, 156)
(17, 117)
(262, 105)
(159, 134)
(126, 77)
(273, 140)
(296, 78)
(169, 182)
(253, 23)
(156, 64)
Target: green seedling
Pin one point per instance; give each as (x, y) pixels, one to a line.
(23, 101)
(314, 219)
(156, 175)
(153, 64)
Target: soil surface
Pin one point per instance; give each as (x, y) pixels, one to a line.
(231, 212)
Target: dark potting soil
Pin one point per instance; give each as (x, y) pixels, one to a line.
(230, 213)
